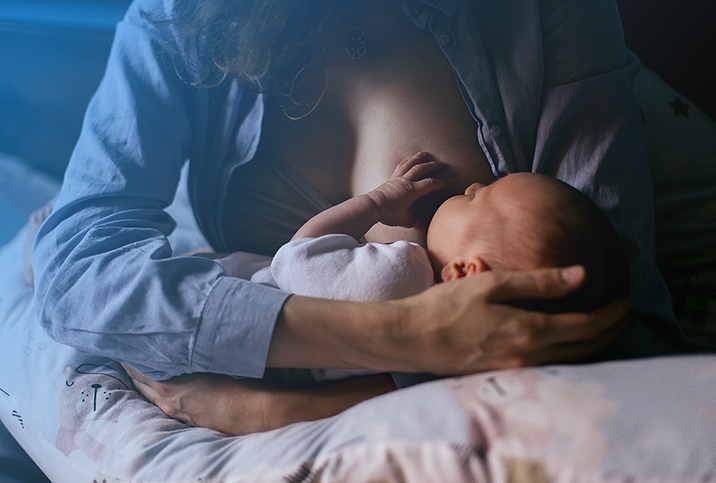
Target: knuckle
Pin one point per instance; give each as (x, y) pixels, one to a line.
(543, 282)
(169, 410)
(533, 323)
(167, 407)
(530, 330)
(540, 322)
(525, 341)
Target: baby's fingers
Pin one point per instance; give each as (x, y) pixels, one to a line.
(428, 185)
(422, 170)
(408, 163)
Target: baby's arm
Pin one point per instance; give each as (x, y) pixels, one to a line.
(389, 203)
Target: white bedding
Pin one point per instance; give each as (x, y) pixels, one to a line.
(78, 417)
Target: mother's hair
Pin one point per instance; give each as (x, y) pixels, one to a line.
(264, 44)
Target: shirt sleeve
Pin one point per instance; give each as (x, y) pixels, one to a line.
(338, 267)
(106, 282)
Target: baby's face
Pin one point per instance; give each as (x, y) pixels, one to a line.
(476, 223)
(479, 206)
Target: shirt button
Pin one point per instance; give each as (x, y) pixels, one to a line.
(495, 131)
(444, 40)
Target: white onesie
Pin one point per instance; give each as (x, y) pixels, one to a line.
(338, 267)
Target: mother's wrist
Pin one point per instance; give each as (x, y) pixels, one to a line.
(322, 333)
(388, 341)
(374, 336)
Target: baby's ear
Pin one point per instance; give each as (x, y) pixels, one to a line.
(476, 265)
(452, 271)
(463, 268)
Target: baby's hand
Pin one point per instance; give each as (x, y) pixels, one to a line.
(407, 184)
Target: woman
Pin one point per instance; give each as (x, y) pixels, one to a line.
(286, 107)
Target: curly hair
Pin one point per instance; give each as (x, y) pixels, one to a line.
(263, 44)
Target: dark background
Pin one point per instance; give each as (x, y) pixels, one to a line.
(52, 56)
(677, 40)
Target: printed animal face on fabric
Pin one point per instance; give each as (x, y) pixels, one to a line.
(91, 393)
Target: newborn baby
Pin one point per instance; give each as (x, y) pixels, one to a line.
(520, 222)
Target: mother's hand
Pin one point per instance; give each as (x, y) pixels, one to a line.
(239, 407)
(204, 400)
(457, 327)
(466, 326)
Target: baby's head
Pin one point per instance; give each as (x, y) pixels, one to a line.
(526, 221)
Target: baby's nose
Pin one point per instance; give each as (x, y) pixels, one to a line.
(470, 190)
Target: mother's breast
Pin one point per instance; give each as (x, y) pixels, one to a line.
(400, 98)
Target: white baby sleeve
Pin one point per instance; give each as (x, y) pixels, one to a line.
(338, 267)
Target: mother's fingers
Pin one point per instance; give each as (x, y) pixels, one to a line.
(144, 385)
(147, 391)
(532, 330)
(544, 283)
(132, 373)
(572, 327)
(155, 392)
(576, 351)
(533, 338)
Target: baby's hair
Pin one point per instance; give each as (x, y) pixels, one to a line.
(578, 232)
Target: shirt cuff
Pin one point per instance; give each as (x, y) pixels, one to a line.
(236, 328)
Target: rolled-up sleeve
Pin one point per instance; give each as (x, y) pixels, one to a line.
(106, 279)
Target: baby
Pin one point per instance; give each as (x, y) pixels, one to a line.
(520, 222)
(523, 221)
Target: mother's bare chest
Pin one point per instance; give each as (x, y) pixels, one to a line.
(401, 98)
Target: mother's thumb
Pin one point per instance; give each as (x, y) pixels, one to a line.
(545, 283)
(572, 276)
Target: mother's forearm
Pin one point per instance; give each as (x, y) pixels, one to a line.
(458, 327)
(242, 407)
(336, 334)
(246, 406)
(292, 406)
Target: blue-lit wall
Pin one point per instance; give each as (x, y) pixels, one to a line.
(52, 56)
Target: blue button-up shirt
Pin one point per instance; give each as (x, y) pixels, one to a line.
(548, 82)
